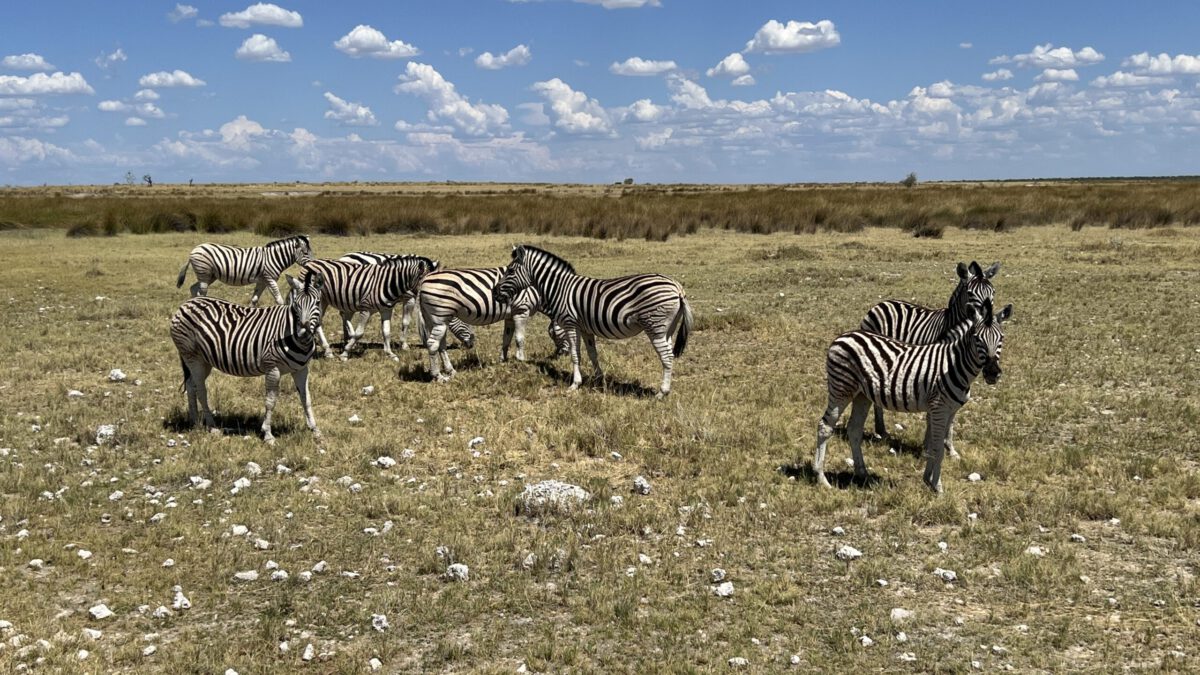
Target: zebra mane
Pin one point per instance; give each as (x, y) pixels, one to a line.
(553, 259)
(396, 260)
(288, 240)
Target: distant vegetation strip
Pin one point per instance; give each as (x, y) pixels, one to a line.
(642, 212)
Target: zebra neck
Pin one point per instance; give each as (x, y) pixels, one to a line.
(954, 313)
(553, 286)
(965, 361)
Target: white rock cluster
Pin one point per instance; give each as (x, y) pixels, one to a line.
(551, 496)
(848, 553)
(458, 572)
(641, 485)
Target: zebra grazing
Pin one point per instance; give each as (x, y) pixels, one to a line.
(352, 287)
(459, 329)
(259, 265)
(611, 308)
(866, 368)
(465, 296)
(248, 341)
(914, 324)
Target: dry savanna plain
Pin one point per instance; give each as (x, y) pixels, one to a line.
(1076, 549)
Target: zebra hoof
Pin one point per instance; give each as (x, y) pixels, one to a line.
(269, 440)
(215, 431)
(403, 346)
(823, 481)
(394, 357)
(442, 378)
(344, 357)
(661, 395)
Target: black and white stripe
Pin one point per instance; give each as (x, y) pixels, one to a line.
(866, 368)
(258, 265)
(918, 325)
(246, 342)
(610, 308)
(352, 287)
(466, 295)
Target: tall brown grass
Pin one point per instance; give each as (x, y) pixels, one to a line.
(649, 212)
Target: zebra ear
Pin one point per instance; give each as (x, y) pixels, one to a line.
(976, 270)
(991, 271)
(294, 283)
(1005, 314)
(314, 281)
(962, 270)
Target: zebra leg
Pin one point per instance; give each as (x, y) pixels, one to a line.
(519, 322)
(189, 386)
(950, 442)
(662, 345)
(436, 344)
(259, 287)
(272, 395)
(938, 420)
(274, 286)
(854, 429)
(576, 376)
(824, 431)
(300, 377)
(200, 371)
(589, 341)
(510, 327)
(385, 318)
(405, 320)
(349, 339)
(881, 431)
(199, 288)
(362, 318)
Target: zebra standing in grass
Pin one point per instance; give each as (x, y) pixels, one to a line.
(914, 324)
(259, 265)
(611, 308)
(867, 368)
(459, 329)
(352, 287)
(249, 341)
(466, 296)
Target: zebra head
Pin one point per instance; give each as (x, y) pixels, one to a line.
(515, 277)
(303, 248)
(974, 287)
(988, 340)
(304, 304)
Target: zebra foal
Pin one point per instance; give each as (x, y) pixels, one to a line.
(258, 265)
(451, 299)
(610, 308)
(352, 288)
(248, 341)
(918, 325)
(866, 368)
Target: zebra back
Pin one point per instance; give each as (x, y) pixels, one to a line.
(469, 294)
(357, 287)
(916, 324)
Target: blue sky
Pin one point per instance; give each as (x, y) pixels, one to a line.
(596, 90)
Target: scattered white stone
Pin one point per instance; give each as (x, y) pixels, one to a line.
(92, 633)
(943, 546)
(900, 615)
(354, 419)
(239, 530)
(309, 652)
(82, 654)
(158, 517)
(972, 516)
(100, 612)
(551, 496)
(458, 572)
(116, 496)
(200, 483)
(171, 443)
(239, 485)
(320, 567)
(262, 544)
(305, 576)
(115, 375)
(901, 637)
(253, 469)
(271, 565)
(368, 390)
(848, 553)
(385, 462)
(83, 553)
(641, 485)
(945, 575)
(838, 531)
(5, 626)
(248, 575)
(279, 575)
(616, 456)
(908, 657)
(475, 442)
(724, 590)
(105, 433)
(149, 651)
(355, 488)
(998, 650)
(1036, 551)
(738, 662)
(645, 559)
(36, 564)
(974, 477)
(74, 393)
(616, 500)
(866, 641)
(1078, 538)
(718, 575)
(169, 562)
(379, 622)
(181, 600)
(795, 660)
(375, 664)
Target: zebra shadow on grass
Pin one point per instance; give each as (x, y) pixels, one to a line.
(842, 479)
(232, 424)
(897, 445)
(606, 384)
(418, 370)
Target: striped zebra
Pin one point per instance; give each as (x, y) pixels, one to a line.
(610, 308)
(466, 296)
(258, 265)
(249, 341)
(352, 288)
(459, 329)
(914, 324)
(867, 368)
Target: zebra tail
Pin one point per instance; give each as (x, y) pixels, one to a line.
(187, 374)
(685, 327)
(182, 274)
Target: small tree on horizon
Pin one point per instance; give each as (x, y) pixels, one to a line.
(149, 181)
(909, 180)
(129, 178)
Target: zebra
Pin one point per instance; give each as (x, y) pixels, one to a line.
(914, 324)
(610, 308)
(353, 287)
(459, 329)
(248, 341)
(466, 296)
(260, 265)
(866, 368)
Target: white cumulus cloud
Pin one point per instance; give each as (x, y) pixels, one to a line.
(1049, 56)
(146, 95)
(1165, 64)
(644, 110)
(182, 13)
(26, 62)
(106, 61)
(176, 78)
(347, 113)
(1123, 79)
(259, 47)
(367, 41)
(743, 81)
(447, 105)
(240, 132)
(43, 84)
(733, 65)
(639, 67)
(574, 112)
(264, 13)
(135, 122)
(1058, 75)
(622, 4)
(517, 56)
(998, 75)
(794, 37)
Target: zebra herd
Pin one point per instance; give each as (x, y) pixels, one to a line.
(275, 341)
(904, 357)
